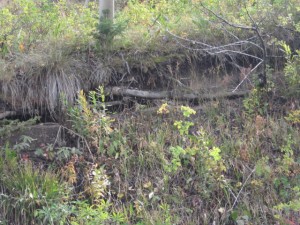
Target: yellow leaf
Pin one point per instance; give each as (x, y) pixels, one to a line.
(147, 184)
(120, 195)
(21, 47)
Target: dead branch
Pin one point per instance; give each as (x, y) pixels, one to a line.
(174, 94)
(254, 28)
(240, 191)
(246, 77)
(230, 49)
(114, 103)
(82, 138)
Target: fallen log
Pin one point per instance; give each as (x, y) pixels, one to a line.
(133, 93)
(6, 114)
(174, 94)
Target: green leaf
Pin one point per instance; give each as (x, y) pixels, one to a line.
(234, 215)
(215, 153)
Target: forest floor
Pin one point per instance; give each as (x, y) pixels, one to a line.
(212, 160)
(155, 122)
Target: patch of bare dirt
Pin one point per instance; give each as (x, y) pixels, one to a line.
(43, 134)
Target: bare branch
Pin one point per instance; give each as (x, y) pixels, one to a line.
(254, 28)
(240, 53)
(246, 77)
(188, 40)
(219, 48)
(238, 195)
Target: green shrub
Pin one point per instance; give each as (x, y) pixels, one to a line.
(107, 30)
(29, 23)
(91, 120)
(292, 70)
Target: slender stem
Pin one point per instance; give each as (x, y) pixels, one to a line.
(238, 195)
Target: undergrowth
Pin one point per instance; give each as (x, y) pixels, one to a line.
(228, 162)
(224, 164)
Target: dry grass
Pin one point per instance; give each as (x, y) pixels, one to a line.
(43, 79)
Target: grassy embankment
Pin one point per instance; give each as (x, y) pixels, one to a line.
(226, 162)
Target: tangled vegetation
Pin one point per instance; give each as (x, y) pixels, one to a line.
(222, 162)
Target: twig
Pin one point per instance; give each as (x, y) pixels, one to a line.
(188, 40)
(57, 136)
(246, 77)
(231, 192)
(85, 141)
(239, 193)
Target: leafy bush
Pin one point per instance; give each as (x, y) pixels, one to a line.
(292, 69)
(294, 117)
(29, 23)
(256, 103)
(197, 151)
(149, 20)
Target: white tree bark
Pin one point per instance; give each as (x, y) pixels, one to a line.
(106, 9)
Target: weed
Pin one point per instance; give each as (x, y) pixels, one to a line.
(98, 186)
(95, 214)
(92, 122)
(198, 148)
(294, 117)
(9, 126)
(26, 189)
(61, 154)
(255, 104)
(292, 66)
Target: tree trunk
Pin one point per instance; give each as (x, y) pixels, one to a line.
(106, 9)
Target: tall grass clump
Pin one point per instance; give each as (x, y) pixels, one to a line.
(25, 188)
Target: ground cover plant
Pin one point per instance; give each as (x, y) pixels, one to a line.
(183, 166)
(210, 161)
